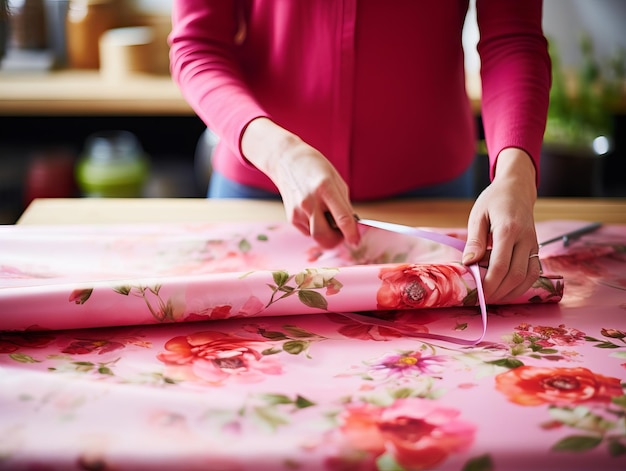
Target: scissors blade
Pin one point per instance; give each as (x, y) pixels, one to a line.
(575, 234)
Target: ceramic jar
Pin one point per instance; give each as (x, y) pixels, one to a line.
(87, 20)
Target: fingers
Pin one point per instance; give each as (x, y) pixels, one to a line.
(329, 230)
(513, 267)
(477, 240)
(322, 231)
(341, 217)
(310, 187)
(328, 227)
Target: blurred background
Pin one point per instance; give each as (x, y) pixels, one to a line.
(88, 109)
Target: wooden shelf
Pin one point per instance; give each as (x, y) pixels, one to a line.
(73, 92)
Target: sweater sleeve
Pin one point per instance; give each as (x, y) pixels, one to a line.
(203, 63)
(515, 74)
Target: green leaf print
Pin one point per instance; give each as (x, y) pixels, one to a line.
(307, 283)
(303, 402)
(312, 299)
(298, 332)
(480, 463)
(617, 447)
(244, 246)
(280, 277)
(23, 358)
(125, 290)
(295, 347)
(507, 362)
(577, 443)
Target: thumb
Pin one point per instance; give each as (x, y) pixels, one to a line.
(476, 244)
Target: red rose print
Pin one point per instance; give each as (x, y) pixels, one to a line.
(419, 433)
(532, 386)
(215, 357)
(409, 286)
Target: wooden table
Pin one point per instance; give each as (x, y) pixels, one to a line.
(426, 213)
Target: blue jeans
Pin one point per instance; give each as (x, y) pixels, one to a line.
(460, 187)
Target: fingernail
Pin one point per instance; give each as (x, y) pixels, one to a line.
(468, 257)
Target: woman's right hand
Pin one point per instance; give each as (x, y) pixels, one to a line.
(309, 184)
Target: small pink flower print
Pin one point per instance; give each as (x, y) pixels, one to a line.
(546, 336)
(80, 296)
(215, 313)
(85, 346)
(613, 333)
(418, 433)
(533, 386)
(406, 364)
(215, 357)
(316, 278)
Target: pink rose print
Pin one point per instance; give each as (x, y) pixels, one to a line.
(80, 296)
(86, 346)
(409, 286)
(533, 386)
(218, 312)
(418, 433)
(363, 330)
(216, 357)
(547, 336)
(251, 307)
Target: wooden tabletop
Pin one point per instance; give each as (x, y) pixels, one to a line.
(423, 213)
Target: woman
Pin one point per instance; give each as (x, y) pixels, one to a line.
(324, 102)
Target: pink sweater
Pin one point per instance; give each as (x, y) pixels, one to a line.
(377, 86)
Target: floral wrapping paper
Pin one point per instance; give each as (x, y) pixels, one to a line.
(252, 384)
(77, 277)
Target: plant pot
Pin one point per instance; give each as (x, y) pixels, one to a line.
(567, 170)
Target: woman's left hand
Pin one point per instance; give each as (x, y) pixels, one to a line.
(501, 229)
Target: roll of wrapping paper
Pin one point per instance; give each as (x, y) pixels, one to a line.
(110, 275)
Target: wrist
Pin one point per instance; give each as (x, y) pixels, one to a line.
(264, 142)
(515, 168)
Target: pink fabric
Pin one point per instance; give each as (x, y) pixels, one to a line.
(350, 78)
(319, 392)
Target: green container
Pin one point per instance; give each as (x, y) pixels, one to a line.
(113, 165)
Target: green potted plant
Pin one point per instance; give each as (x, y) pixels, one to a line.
(579, 130)
(581, 104)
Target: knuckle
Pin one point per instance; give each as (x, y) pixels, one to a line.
(344, 219)
(517, 276)
(510, 228)
(498, 270)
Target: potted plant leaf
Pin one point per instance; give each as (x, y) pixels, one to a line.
(579, 131)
